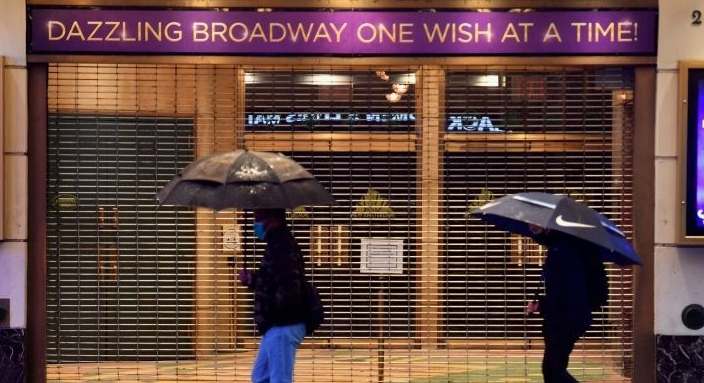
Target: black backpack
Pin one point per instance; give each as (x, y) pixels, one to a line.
(315, 311)
(597, 282)
(312, 304)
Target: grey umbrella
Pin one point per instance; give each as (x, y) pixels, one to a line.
(244, 179)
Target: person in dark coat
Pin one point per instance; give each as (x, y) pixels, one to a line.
(565, 305)
(278, 302)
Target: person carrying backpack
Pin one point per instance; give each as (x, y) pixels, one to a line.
(279, 298)
(565, 305)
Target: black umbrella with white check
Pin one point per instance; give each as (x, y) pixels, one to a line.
(514, 213)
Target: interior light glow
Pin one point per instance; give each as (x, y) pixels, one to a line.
(251, 78)
(393, 97)
(324, 79)
(382, 75)
(404, 78)
(400, 88)
(488, 81)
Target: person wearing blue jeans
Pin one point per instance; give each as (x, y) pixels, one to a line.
(277, 354)
(278, 298)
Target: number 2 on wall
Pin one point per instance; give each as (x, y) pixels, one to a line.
(696, 17)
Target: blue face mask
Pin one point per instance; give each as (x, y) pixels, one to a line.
(259, 230)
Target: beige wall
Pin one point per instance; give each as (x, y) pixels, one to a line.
(679, 271)
(13, 250)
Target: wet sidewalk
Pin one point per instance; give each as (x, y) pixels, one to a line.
(349, 366)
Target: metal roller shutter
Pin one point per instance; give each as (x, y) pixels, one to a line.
(415, 288)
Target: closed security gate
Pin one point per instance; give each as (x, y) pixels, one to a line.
(415, 288)
(120, 269)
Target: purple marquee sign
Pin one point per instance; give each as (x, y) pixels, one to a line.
(236, 32)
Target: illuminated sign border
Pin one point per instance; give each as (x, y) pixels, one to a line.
(342, 33)
(690, 161)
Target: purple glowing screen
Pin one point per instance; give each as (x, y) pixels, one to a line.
(699, 155)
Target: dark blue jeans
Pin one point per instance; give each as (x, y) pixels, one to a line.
(559, 343)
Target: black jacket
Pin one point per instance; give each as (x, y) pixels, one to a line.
(277, 283)
(565, 302)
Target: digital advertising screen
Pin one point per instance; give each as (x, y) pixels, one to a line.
(693, 182)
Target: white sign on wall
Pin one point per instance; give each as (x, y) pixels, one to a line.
(381, 256)
(231, 238)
